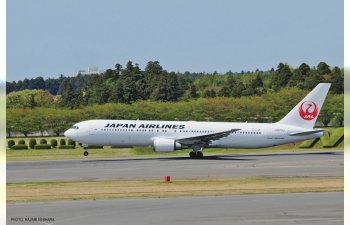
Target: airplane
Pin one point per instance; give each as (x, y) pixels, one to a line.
(168, 136)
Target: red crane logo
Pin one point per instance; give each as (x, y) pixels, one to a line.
(308, 110)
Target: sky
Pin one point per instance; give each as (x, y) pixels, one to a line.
(50, 38)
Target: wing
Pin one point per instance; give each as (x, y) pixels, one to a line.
(203, 139)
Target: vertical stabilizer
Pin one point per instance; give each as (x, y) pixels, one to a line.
(305, 113)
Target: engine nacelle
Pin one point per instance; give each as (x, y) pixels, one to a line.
(166, 145)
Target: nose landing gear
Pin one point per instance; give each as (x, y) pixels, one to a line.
(85, 148)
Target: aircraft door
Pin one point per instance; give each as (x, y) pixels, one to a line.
(92, 130)
(269, 134)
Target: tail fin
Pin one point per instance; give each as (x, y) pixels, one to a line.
(305, 113)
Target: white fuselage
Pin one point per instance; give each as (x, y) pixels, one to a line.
(143, 133)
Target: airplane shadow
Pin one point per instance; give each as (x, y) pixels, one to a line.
(230, 157)
(218, 157)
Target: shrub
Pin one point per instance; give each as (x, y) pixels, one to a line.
(66, 147)
(325, 140)
(21, 142)
(54, 143)
(94, 147)
(43, 141)
(336, 136)
(19, 147)
(308, 143)
(71, 142)
(42, 146)
(32, 143)
(10, 143)
(62, 142)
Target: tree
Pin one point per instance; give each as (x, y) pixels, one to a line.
(313, 80)
(23, 121)
(10, 87)
(193, 92)
(44, 99)
(172, 87)
(337, 103)
(118, 69)
(337, 81)
(238, 90)
(160, 93)
(59, 120)
(323, 68)
(39, 120)
(326, 114)
(67, 95)
(224, 91)
(109, 75)
(39, 83)
(284, 76)
(296, 78)
(304, 69)
(52, 85)
(117, 93)
(10, 120)
(209, 93)
(257, 82)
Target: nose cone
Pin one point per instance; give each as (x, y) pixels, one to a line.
(67, 133)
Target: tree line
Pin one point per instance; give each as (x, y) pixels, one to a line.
(131, 84)
(269, 107)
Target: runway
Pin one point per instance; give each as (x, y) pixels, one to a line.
(312, 164)
(269, 209)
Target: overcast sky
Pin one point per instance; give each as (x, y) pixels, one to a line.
(49, 38)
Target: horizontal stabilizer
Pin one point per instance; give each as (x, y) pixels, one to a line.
(306, 132)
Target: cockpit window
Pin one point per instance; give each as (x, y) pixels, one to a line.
(74, 127)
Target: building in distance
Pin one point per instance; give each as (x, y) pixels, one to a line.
(91, 70)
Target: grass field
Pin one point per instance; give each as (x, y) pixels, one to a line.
(108, 152)
(159, 188)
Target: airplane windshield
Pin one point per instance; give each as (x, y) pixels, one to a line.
(74, 127)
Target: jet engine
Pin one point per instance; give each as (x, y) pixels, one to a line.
(166, 145)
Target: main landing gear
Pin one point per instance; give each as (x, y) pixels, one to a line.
(85, 148)
(196, 153)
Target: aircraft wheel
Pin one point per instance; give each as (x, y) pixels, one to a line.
(86, 153)
(192, 155)
(199, 155)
